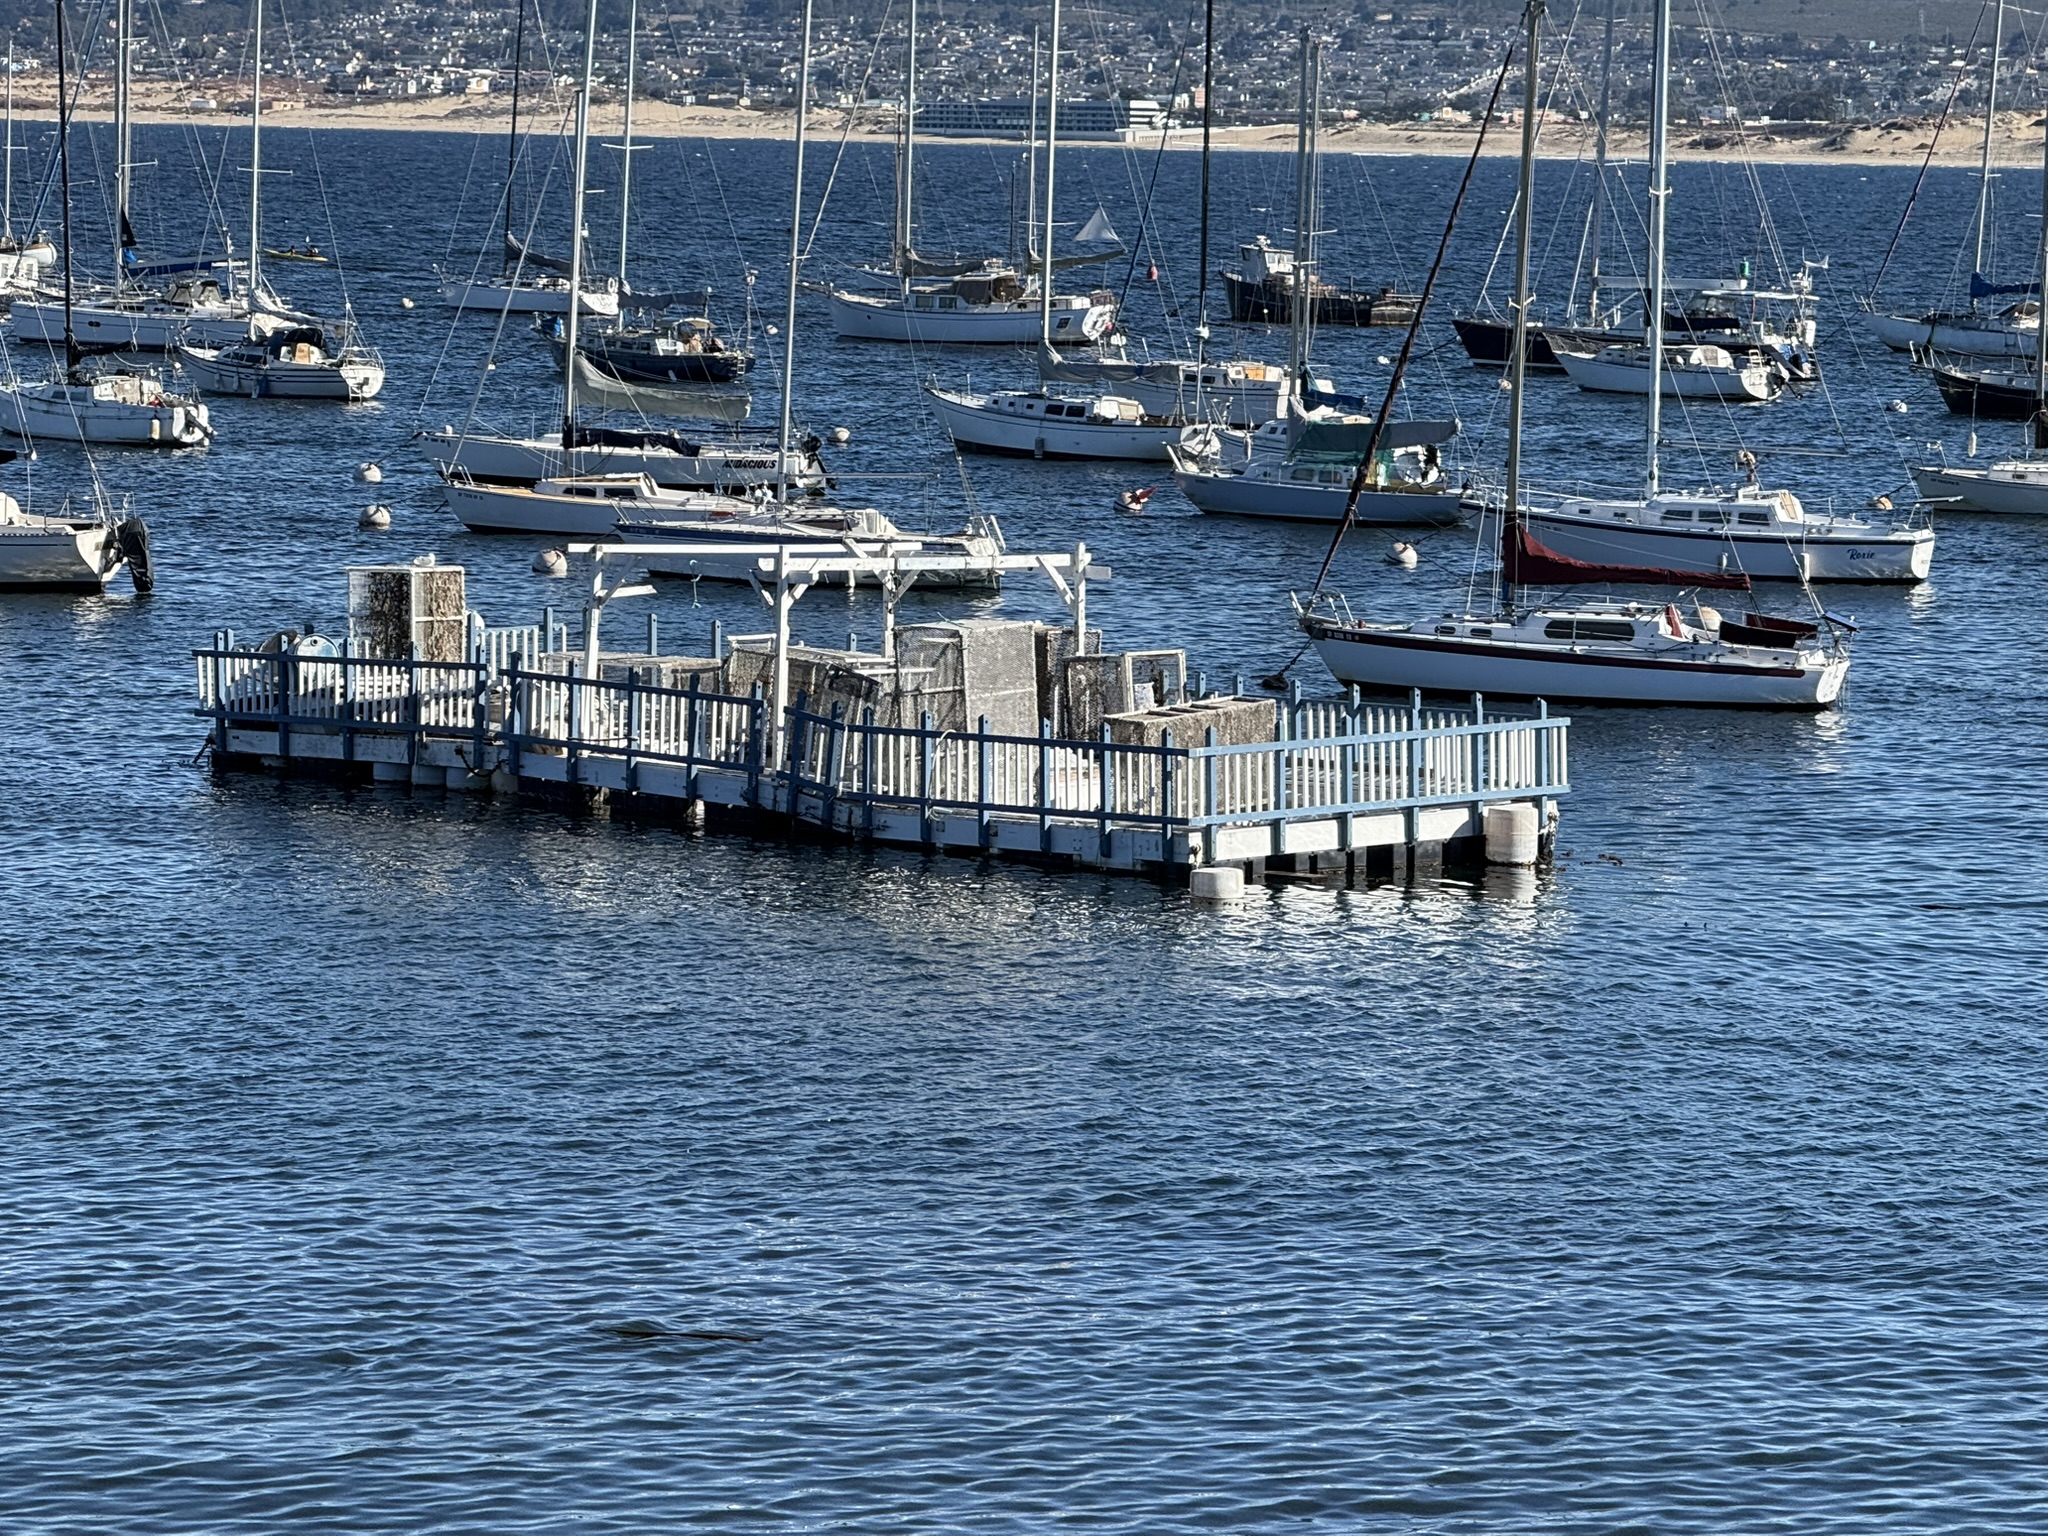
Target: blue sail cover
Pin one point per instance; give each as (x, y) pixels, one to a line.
(1981, 287)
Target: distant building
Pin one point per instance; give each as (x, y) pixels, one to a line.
(1116, 118)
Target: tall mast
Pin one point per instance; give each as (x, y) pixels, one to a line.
(1297, 356)
(2041, 314)
(576, 234)
(1202, 250)
(1660, 196)
(1052, 133)
(626, 137)
(1984, 165)
(512, 138)
(1308, 259)
(124, 156)
(1031, 158)
(256, 159)
(64, 179)
(906, 212)
(1511, 510)
(1600, 168)
(7, 198)
(796, 219)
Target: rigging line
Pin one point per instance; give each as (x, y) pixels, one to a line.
(846, 134)
(1144, 236)
(1906, 213)
(1379, 422)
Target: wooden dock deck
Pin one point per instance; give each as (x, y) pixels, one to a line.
(1347, 787)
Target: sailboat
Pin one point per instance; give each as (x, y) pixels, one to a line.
(71, 551)
(23, 263)
(2012, 486)
(528, 282)
(105, 406)
(1036, 422)
(982, 301)
(1234, 392)
(1301, 466)
(301, 361)
(750, 531)
(2006, 331)
(196, 301)
(1605, 652)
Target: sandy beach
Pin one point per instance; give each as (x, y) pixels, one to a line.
(1902, 141)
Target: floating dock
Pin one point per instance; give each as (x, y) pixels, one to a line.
(1131, 767)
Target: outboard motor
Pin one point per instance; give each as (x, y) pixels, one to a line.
(131, 537)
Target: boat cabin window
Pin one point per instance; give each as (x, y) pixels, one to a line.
(1482, 634)
(1755, 518)
(1447, 629)
(1589, 629)
(1302, 474)
(1332, 477)
(1065, 321)
(949, 303)
(1677, 515)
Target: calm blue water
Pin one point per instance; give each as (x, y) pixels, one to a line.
(354, 1143)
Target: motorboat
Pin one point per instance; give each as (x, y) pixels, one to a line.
(1262, 292)
(1764, 534)
(1689, 372)
(748, 533)
(2011, 331)
(1036, 424)
(113, 407)
(294, 362)
(1238, 393)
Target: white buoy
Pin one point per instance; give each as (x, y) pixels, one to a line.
(551, 562)
(774, 330)
(1880, 503)
(375, 515)
(1384, 361)
(840, 435)
(1222, 884)
(1512, 833)
(1403, 555)
(369, 474)
(1898, 407)
(405, 303)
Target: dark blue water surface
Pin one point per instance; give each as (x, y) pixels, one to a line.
(354, 1141)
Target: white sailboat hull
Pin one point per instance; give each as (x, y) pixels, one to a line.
(1739, 384)
(1245, 404)
(523, 460)
(1882, 555)
(1401, 658)
(1234, 495)
(71, 413)
(54, 555)
(218, 372)
(1990, 337)
(979, 423)
(526, 298)
(864, 317)
(514, 509)
(2016, 490)
(138, 328)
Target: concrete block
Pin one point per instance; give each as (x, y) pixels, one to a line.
(1236, 722)
(1222, 884)
(1513, 833)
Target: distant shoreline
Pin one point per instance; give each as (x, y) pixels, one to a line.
(1903, 142)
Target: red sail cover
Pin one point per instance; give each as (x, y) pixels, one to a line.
(1527, 562)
